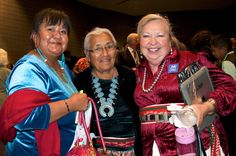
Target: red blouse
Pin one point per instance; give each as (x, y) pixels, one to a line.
(166, 90)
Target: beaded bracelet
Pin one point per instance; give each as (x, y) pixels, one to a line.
(67, 106)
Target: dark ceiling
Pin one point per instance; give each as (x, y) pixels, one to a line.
(141, 7)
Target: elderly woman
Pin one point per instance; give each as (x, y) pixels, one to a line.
(38, 117)
(112, 88)
(157, 83)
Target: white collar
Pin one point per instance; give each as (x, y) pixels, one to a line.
(231, 52)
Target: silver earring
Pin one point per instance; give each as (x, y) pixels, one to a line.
(141, 55)
(171, 51)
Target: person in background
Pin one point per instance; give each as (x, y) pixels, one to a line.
(158, 87)
(4, 72)
(222, 49)
(130, 56)
(233, 40)
(200, 42)
(112, 88)
(38, 116)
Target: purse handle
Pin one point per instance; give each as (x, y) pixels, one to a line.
(98, 124)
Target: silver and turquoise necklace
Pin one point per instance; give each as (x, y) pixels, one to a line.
(106, 108)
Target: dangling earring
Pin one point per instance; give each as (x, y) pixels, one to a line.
(63, 61)
(141, 55)
(171, 51)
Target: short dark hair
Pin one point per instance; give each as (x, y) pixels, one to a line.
(51, 17)
(222, 40)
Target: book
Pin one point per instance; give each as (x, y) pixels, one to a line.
(198, 85)
(197, 88)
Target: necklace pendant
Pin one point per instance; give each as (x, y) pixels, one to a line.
(106, 109)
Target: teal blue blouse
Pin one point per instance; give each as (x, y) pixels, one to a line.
(31, 72)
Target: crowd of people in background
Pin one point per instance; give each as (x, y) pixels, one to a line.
(125, 82)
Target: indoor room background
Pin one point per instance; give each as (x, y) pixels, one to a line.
(16, 18)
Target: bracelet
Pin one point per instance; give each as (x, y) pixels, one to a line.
(212, 102)
(67, 106)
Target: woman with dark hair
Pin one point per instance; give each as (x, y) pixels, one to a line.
(200, 42)
(222, 49)
(38, 117)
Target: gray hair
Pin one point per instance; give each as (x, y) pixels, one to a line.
(150, 17)
(3, 57)
(94, 32)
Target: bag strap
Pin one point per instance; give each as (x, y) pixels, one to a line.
(98, 124)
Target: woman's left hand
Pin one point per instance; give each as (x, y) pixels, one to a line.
(203, 109)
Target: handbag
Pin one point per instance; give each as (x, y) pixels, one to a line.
(88, 150)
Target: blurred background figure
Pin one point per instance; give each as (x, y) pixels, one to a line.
(233, 40)
(130, 56)
(4, 72)
(222, 49)
(200, 42)
(81, 65)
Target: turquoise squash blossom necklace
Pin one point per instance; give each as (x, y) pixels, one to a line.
(106, 108)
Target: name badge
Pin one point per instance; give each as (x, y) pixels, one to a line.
(186, 72)
(173, 68)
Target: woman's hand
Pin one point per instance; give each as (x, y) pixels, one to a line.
(203, 109)
(78, 102)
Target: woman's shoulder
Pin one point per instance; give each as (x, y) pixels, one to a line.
(187, 53)
(28, 59)
(190, 56)
(29, 64)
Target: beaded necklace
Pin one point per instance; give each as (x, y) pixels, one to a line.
(154, 82)
(66, 81)
(62, 66)
(106, 108)
(45, 59)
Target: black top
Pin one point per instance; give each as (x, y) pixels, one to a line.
(126, 59)
(125, 121)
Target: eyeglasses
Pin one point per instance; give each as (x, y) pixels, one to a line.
(99, 49)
